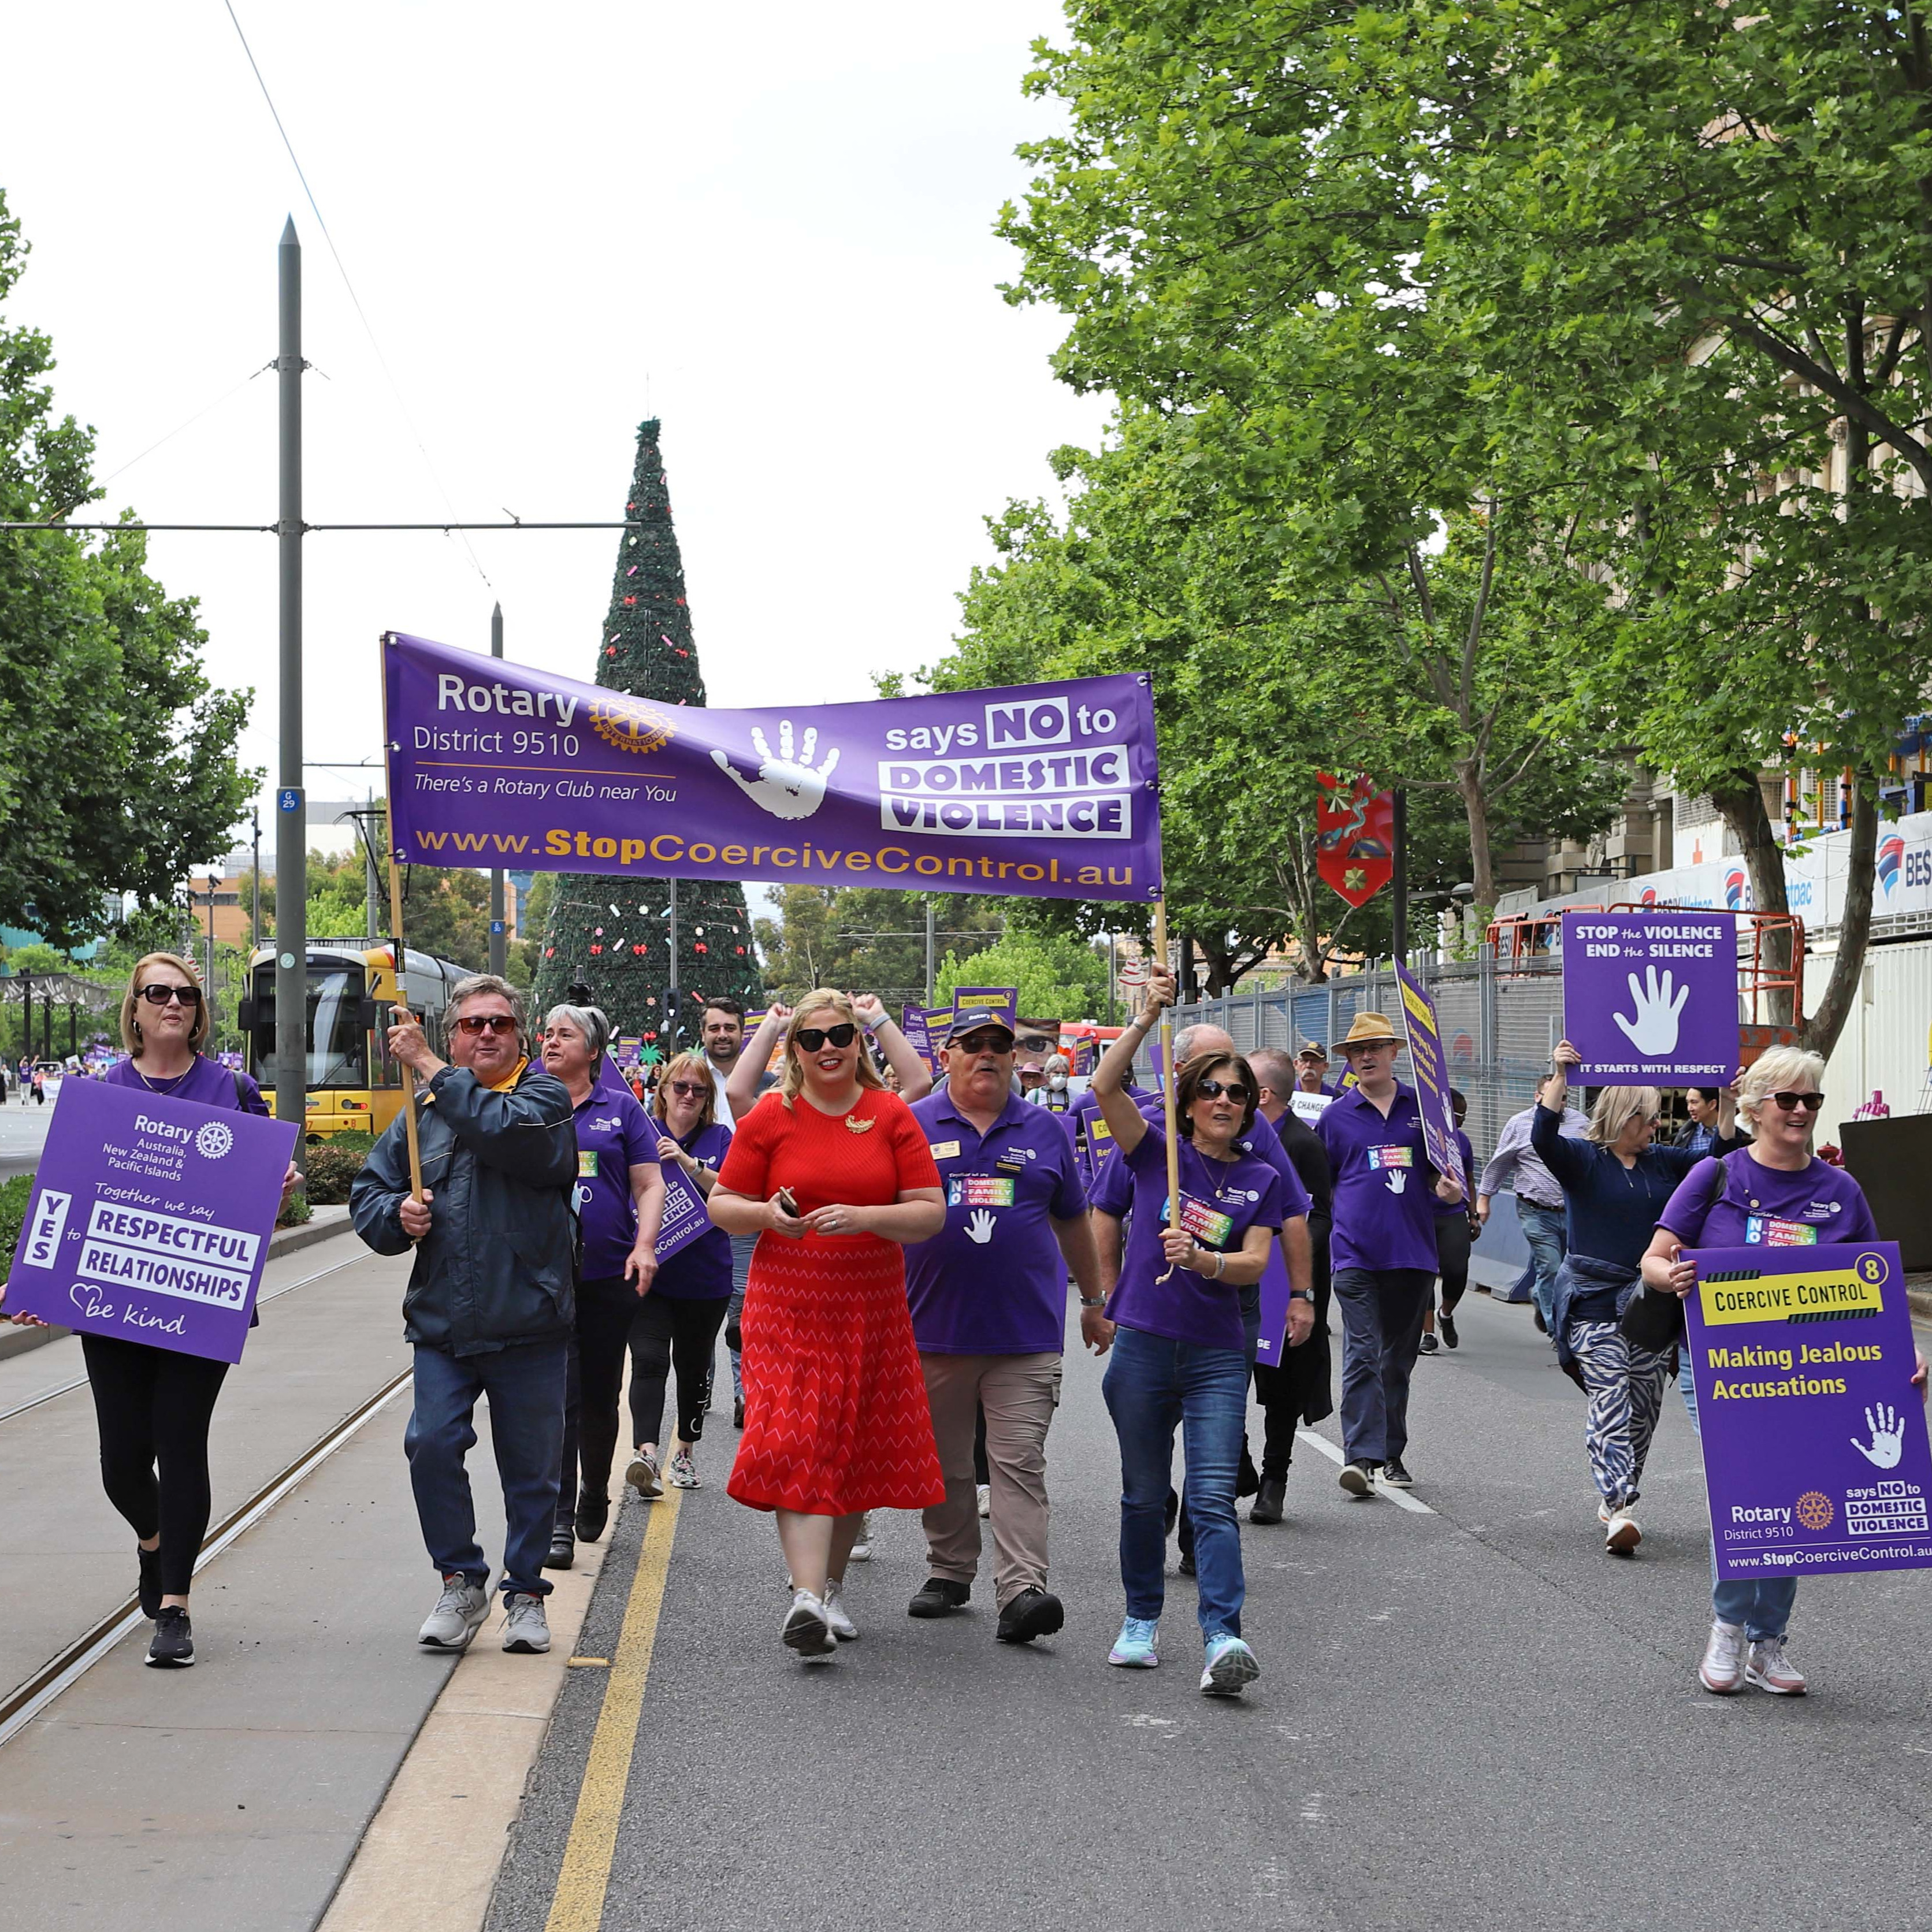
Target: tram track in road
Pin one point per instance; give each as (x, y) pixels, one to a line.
(19, 1706)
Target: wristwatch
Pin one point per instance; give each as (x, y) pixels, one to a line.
(1095, 1301)
(1301, 1294)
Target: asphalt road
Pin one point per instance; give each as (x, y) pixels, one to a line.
(1467, 1718)
(23, 1132)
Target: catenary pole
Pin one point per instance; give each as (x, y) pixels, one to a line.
(498, 940)
(291, 807)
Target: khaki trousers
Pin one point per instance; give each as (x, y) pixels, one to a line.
(1019, 1394)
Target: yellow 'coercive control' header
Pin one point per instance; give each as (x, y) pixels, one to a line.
(1852, 1290)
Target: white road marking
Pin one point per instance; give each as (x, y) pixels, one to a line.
(1400, 1497)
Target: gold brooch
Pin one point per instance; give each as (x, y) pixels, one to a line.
(857, 1126)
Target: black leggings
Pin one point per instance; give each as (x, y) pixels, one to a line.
(670, 1329)
(153, 1407)
(1452, 1255)
(595, 1374)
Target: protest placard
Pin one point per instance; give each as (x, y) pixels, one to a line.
(1431, 1080)
(685, 1219)
(1650, 999)
(1816, 1456)
(150, 1219)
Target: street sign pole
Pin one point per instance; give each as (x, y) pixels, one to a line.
(499, 944)
(291, 811)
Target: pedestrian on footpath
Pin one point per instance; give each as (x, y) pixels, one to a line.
(1616, 1184)
(1299, 1390)
(1180, 1353)
(152, 1407)
(1383, 1249)
(1456, 1228)
(677, 1325)
(988, 1300)
(1539, 1198)
(1776, 1192)
(833, 1174)
(490, 1309)
(619, 1200)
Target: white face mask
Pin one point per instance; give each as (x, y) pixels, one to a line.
(1056, 1080)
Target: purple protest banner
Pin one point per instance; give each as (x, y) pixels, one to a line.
(686, 1217)
(1274, 1286)
(1431, 1080)
(912, 1024)
(150, 1219)
(1650, 999)
(1047, 790)
(1816, 1456)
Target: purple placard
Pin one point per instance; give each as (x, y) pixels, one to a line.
(150, 1219)
(1047, 790)
(1431, 1080)
(686, 1217)
(1650, 999)
(912, 1024)
(1816, 1457)
(1274, 1286)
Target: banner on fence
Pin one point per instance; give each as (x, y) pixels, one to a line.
(1046, 791)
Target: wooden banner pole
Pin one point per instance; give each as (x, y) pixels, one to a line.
(1166, 1057)
(403, 1014)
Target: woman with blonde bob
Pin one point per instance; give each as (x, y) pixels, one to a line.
(153, 1406)
(1615, 1183)
(1777, 1193)
(833, 1174)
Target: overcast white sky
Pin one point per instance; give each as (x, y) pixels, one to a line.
(770, 227)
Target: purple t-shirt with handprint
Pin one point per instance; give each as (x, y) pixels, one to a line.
(1385, 1200)
(993, 1281)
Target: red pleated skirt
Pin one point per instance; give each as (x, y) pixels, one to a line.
(836, 1419)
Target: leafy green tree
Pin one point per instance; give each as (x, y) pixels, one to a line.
(1058, 977)
(865, 939)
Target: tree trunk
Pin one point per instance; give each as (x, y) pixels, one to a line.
(1740, 801)
(1476, 805)
(1821, 1032)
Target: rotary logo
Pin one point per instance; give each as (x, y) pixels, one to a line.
(214, 1140)
(1814, 1509)
(631, 724)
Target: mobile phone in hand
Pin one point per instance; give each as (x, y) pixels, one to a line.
(788, 1202)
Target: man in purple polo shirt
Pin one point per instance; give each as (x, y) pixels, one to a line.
(989, 1298)
(1381, 1248)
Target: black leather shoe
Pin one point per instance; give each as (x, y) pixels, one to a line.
(1187, 1563)
(563, 1549)
(172, 1647)
(151, 1581)
(1248, 1478)
(738, 1411)
(939, 1596)
(593, 1513)
(1269, 1503)
(1032, 1613)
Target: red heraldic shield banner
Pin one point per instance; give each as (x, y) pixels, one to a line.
(1354, 827)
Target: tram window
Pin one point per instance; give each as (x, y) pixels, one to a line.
(338, 1053)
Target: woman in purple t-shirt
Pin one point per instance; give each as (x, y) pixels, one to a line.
(1179, 1353)
(1775, 1193)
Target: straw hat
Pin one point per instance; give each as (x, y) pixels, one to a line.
(1370, 1030)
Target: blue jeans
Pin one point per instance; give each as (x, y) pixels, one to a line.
(1544, 1229)
(1763, 1605)
(1381, 1331)
(1152, 1385)
(525, 1387)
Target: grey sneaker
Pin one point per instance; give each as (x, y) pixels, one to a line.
(642, 1475)
(458, 1615)
(525, 1628)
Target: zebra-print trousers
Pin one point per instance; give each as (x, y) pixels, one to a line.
(1626, 1389)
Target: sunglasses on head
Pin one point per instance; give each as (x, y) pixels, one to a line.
(688, 1090)
(159, 996)
(475, 1024)
(812, 1038)
(1213, 1089)
(1791, 1103)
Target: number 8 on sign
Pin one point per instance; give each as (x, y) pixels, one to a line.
(1871, 1268)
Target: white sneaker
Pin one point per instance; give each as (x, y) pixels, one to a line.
(1604, 1513)
(1722, 1670)
(805, 1629)
(459, 1614)
(837, 1620)
(1621, 1538)
(1770, 1669)
(682, 1473)
(985, 1499)
(525, 1628)
(862, 1549)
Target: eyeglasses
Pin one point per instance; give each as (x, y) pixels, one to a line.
(474, 1023)
(1791, 1103)
(159, 996)
(812, 1038)
(1213, 1089)
(687, 1090)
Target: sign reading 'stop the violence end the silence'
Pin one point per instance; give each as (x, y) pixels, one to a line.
(1047, 790)
(1815, 1455)
(1650, 999)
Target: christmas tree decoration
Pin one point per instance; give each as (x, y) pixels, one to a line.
(647, 650)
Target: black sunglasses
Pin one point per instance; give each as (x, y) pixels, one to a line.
(1213, 1089)
(474, 1023)
(1791, 1103)
(812, 1038)
(159, 996)
(987, 1042)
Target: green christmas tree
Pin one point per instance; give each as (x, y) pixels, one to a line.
(612, 932)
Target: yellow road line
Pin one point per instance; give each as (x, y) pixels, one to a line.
(578, 1905)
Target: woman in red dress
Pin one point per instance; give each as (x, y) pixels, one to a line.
(836, 1418)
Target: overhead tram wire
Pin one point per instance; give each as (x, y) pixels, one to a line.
(395, 388)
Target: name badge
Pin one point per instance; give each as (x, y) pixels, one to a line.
(978, 1190)
(1767, 1230)
(586, 1165)
(1391, 1157)
(943, 1150)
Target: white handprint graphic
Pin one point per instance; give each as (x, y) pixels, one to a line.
(1888, 1438)
(1397, 1179)
(786, 788)
(1652, 1030)
(980, 1228)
